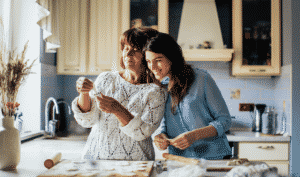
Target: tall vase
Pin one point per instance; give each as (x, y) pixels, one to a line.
(10, 145)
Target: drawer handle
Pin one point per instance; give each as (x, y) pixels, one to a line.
(265, 147)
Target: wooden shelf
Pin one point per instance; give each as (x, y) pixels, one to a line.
(208, 54)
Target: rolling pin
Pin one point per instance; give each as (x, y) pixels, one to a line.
(188, 161)
(55, 158)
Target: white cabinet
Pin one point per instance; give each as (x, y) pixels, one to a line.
(256, 38)
(72, 55)
(274, 154)
(90, 34)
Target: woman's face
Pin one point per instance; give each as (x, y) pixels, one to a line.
(158, 64)
(132, 58)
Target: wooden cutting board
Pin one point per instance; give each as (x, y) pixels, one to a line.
(86, 168)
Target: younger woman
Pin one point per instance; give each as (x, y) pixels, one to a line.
(196, 116)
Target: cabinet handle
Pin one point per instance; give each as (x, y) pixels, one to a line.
(265, 147)
(71, 69)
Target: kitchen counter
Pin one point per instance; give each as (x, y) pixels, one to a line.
(35, 152)
(248, 136)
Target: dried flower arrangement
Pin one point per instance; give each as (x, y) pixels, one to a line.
(13, 72)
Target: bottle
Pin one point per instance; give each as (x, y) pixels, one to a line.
(274, 120)
(267, 121)
(283, 120)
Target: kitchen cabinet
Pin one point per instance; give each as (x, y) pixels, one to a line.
(89, 37)
(275, 154)
(72, 56)
(151, 13)
(90, 33)
(256, 27)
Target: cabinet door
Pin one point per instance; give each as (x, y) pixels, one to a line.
(105, 30)
(283, 167)
(264, 151)
(256, 37)
(72, 56)
(151, 13)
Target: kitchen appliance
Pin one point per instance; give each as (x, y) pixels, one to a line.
(269, 121)
(257, 117)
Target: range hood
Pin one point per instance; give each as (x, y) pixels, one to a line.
(200, 23)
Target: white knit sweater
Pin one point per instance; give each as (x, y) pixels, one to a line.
(108, 139)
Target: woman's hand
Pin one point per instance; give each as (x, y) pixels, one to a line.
(161, 141)
(183, 141)
(108, 104)
(84, 85)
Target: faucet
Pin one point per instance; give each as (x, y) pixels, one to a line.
(46, 112)
(54, 108)
(53, 122)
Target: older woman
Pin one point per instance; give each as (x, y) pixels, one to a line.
(126, 108)
(196, 116)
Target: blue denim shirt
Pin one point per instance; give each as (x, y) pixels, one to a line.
(202, 106)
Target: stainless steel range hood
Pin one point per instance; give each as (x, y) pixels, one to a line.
(199, 23)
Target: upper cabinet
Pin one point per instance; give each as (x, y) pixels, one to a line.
(89, 36)
(72, 56)
(151, 13)
(90, 32)
(246, 32)
(256, 37)
(182, 20)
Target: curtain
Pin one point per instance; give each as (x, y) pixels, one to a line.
(48, 12)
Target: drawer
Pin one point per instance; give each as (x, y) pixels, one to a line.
(283, 167)
(264, 151)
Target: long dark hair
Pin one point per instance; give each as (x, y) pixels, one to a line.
(137, 38)
(181, 74)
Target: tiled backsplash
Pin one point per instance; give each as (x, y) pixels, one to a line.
(271, 91)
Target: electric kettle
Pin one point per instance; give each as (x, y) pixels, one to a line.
(257, 117)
